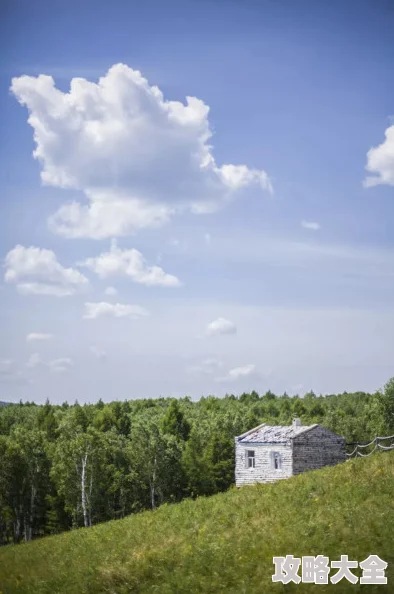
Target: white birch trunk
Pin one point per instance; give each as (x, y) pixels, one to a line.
(83, 491)
(152, 486)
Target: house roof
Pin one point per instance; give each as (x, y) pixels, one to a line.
(273, 433)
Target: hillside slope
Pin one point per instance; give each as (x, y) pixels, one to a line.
(224, 543)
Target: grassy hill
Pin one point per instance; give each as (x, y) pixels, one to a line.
(223, 543)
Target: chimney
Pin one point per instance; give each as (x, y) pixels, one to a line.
(297, 423)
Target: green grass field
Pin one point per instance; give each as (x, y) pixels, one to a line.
(223, 543)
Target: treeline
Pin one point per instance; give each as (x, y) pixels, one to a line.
(63, 466)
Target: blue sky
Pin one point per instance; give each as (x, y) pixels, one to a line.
(275, 275)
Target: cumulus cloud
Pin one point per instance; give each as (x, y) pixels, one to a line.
(108, 214)
(116, 310)
(111, 291)
(311, 225)
(221, 326)
(238, 372)
(38, 336)
(37, 271)
(380, 162)
(137, 157)
(98, 353)
(129, 263)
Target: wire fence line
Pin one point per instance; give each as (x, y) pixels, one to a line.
(377, 447)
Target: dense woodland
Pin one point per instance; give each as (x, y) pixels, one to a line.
(66, 466)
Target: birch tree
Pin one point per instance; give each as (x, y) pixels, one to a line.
(76, 469)
(25, 474)
(157, 460)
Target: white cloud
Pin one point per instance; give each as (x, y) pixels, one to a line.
(56, 365)
(37, 271)
(221, 326)
(238, 372)
(116, 310)
(108, 214)
(111, 291)
(98, 353)
(137, 157)
(207, 238)
(239, 176)
(380, 162)
(34, 361)
(129, 263)
(60, 365)
(206, 367)
(38, 336)
(313, 226)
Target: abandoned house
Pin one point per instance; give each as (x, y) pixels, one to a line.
(269, 453)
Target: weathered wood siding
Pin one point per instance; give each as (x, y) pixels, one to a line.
(263, 471)
(316, 448)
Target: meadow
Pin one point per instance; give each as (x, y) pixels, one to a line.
(220, 543)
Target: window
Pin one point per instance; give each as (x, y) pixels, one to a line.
(250, 459)
(276, 461)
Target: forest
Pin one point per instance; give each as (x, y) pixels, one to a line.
(67, 466)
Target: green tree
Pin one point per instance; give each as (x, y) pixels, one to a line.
(156, 457)
(387, 405)
(174, 422)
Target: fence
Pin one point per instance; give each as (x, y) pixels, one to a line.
(378, 447)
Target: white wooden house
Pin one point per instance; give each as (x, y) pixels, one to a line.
(270, 453)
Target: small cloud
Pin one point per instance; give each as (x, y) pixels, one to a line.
(312, 225)
(130, 263)
(116, 310)
(206, 367)
(221, 326)
(380, 162)
(60, 365)
(36, 271)
(98, 353)
(207, 238)
(57, 365)
(174, 242)
(111, 291)
(34, 361)
(238, 373)
(38, 336)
